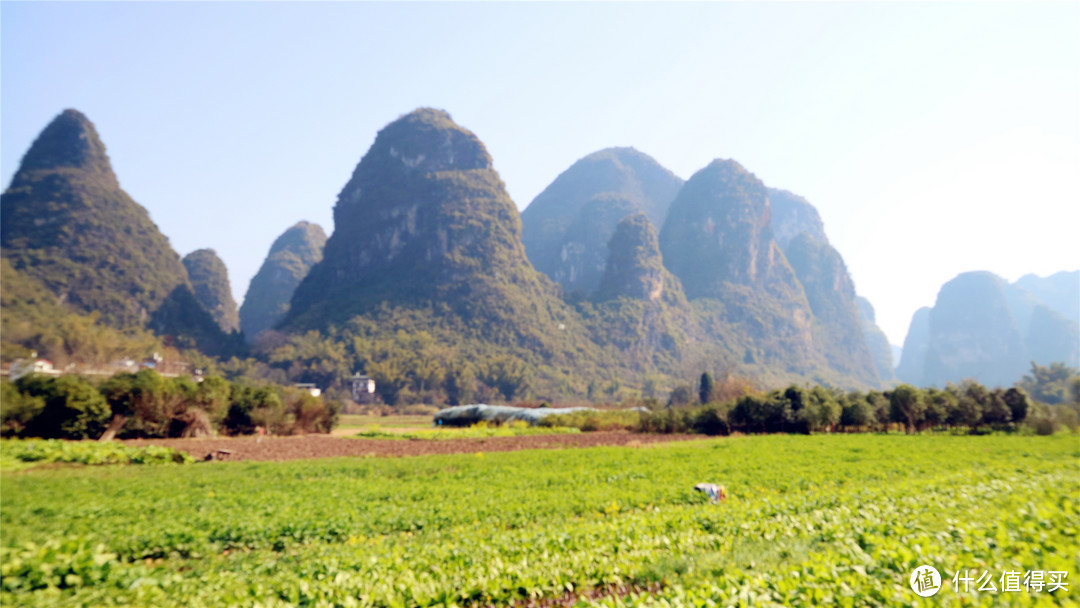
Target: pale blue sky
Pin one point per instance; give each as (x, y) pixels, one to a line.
(934, 138)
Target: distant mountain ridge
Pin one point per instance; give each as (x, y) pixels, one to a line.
(984, 328)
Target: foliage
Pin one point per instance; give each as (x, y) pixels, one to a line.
(87, 452)
(591, 527)
(1052, 384)
(71, 407)
(599, 420)
(147, 404)
(33, 320)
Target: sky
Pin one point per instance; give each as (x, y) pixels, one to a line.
(933, 138)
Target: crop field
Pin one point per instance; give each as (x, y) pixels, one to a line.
(830, 520)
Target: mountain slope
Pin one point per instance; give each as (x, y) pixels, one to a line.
(425, 231)
(831, 294)
(567, 226)
(876, 340)
(717, 240)
(973, 333)
(210, 283)
(271, 290)
(68, 224)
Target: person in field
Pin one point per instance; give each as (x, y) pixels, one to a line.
(714, 492)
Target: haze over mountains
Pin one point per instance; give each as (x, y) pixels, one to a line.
(984, 328)
(618, 273)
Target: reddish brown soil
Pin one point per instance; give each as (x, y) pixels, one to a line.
(323, 446)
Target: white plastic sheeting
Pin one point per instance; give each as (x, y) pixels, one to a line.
(465, 415)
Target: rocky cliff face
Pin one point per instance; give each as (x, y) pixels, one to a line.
(718, 241)
(876, 341)
(634, 268)
(831, 295)
(67, 224)
(290, 258)
(584, 250)
(567, 227)
(425, 224)
(718, 232)
(210, 283)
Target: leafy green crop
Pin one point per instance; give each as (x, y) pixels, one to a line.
(85, 452)
(836, 520)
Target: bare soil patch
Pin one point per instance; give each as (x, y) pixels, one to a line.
(325, 446)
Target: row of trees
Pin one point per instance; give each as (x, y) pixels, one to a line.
(147, 404)
(968, 405)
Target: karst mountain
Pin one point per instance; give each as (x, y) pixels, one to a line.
(69, 225)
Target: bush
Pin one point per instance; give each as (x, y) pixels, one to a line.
(73, 408)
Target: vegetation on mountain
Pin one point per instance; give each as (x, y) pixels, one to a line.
(717, 239)
(717, 233)
(210, 284)
(271, 290)
(32, 320)
(565, 229)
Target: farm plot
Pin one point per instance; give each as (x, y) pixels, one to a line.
(811, 520)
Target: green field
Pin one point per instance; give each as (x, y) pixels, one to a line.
(832, 520)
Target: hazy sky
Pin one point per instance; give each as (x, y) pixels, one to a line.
(933, 138)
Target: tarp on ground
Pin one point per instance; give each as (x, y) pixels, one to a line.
(466, 415)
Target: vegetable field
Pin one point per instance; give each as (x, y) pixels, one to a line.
(832, 520)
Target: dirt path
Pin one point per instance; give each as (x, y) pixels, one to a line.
(323, 446)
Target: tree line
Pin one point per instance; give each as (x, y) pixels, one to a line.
(148, 405)
(966, 406)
